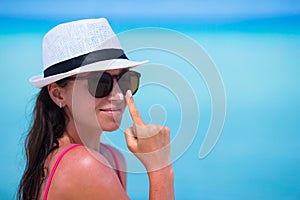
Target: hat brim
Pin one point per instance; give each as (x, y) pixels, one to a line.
(39, 80)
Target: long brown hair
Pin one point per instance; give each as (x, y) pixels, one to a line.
(49, 123)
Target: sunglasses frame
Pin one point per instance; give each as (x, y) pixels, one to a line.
(98, 76)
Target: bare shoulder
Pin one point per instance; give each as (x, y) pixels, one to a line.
(85, 174)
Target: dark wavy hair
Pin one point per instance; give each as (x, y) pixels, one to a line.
(49, 124)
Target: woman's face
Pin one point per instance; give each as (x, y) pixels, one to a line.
(103, 114)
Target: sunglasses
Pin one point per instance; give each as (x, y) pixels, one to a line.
(101, 84)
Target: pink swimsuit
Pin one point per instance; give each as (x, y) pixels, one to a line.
(66, 151)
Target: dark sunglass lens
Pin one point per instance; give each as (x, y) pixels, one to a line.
(129, 81)
(100, 86)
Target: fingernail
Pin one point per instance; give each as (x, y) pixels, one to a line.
(128, 95)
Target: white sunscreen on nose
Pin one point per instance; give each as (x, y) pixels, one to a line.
(121, 96)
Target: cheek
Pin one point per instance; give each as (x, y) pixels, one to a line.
(87, 114)
(83, 108)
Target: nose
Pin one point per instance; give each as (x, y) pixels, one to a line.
(116, 93)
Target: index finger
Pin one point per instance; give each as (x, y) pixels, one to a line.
(134, 112)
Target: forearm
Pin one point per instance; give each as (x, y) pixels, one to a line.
(161, 184)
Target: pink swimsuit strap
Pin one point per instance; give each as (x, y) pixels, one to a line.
(118, 170)
(54, 168)
(66, 151)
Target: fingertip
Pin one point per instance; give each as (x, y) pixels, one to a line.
(134, 113)
(128, 93)
(128, 96)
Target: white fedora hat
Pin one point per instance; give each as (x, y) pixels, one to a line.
(80, 46)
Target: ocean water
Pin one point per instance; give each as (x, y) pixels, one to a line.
(257, 154)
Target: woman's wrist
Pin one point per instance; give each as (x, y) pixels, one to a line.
(161, 183)
(165, 172)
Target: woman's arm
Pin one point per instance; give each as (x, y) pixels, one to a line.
(150, 143)
(161, 184)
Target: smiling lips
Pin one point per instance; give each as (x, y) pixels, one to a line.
(112, 110)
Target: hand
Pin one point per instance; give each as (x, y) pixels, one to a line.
(150, 143)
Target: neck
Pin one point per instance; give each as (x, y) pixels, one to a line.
(83, 135)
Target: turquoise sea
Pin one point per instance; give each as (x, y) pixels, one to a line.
(257, 155)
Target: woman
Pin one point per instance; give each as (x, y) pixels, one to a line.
(86, 84)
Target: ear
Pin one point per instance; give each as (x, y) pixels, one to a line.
(57, 94)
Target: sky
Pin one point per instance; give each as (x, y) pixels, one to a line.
(205, 9)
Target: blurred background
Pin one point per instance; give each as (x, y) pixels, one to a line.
(256, 48)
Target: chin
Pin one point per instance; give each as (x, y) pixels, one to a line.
(110, 123)
(111, 127)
